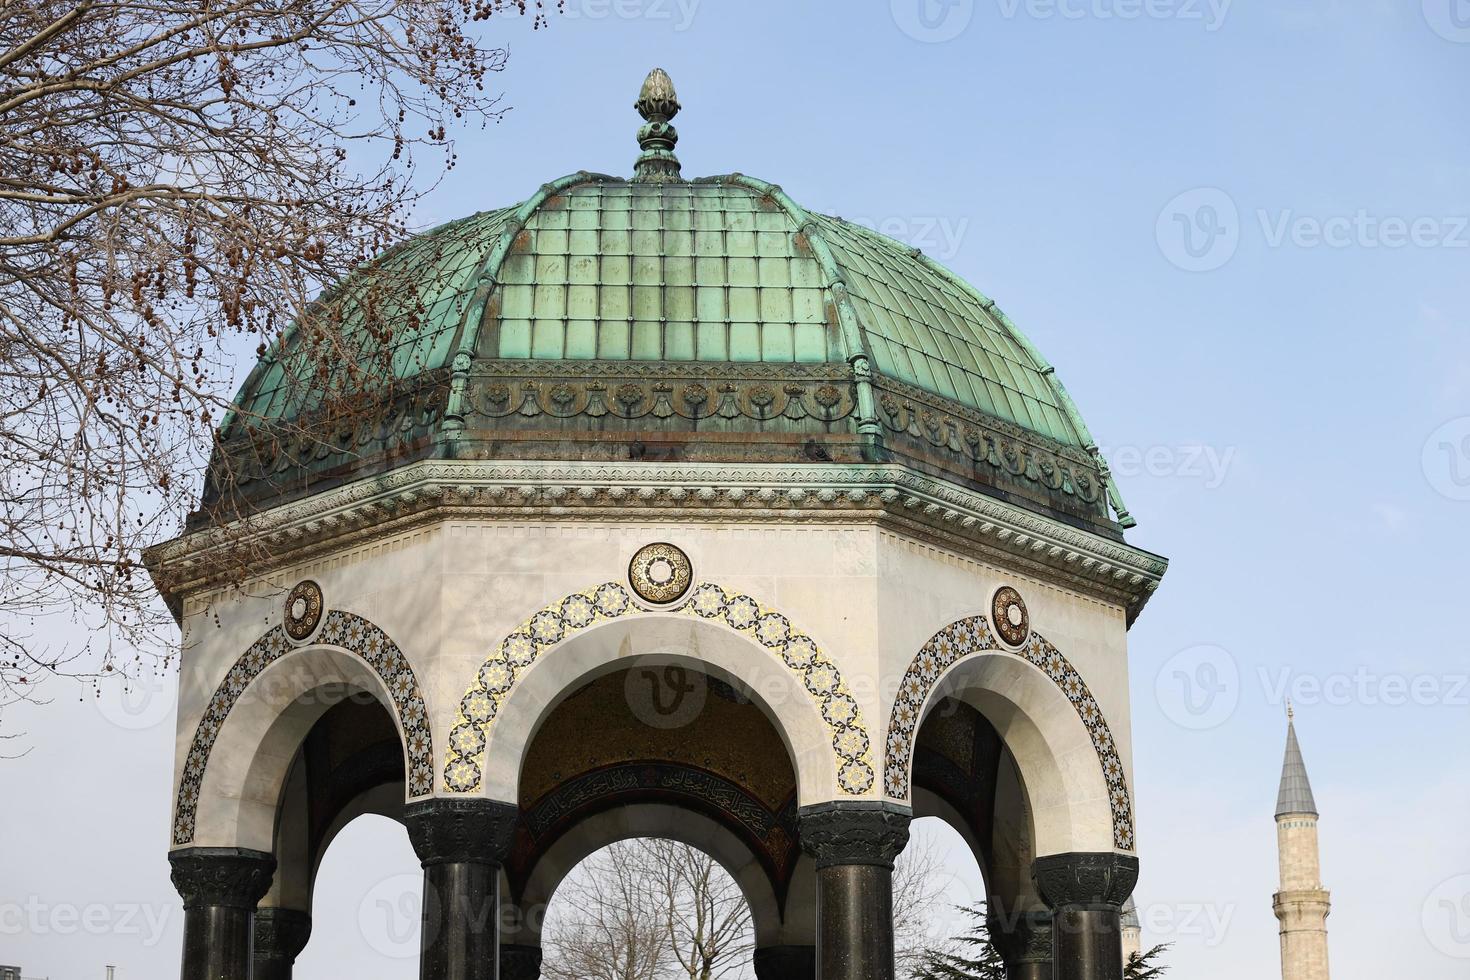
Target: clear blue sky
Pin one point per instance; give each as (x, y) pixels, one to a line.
(1240, 234)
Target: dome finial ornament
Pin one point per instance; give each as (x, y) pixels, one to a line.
(657, 104)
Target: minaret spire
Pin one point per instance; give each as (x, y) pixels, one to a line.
(1295, 794)
(1302, 904)
(657, 104)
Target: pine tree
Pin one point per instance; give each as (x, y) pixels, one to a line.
(977, 958)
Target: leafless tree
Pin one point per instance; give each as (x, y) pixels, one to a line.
(177, 179)
(610, 926)
(655, 909)
(707, 922)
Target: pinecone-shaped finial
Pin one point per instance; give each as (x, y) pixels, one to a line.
(657, 104)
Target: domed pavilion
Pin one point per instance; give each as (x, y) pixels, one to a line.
(656, 506)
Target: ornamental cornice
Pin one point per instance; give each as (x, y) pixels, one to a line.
(890, 495)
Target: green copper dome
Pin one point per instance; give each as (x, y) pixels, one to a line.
(604, 313)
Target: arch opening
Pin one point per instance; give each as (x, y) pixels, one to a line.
(661, 748)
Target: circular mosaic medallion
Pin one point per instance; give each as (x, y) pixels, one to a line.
(660, 573)
(1008, 613)
(303, 610)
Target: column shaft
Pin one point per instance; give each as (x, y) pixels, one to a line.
(854, 844)
(460, 938)
(855, 922)
(216, 943)
(1088, 943)
(461, 844)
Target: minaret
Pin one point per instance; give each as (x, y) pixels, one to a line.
(1302, 904)
(1132, 932)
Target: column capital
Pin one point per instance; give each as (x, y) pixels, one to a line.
(281, 934)
(858, 832)
(1020, 937)
(785, 962)
(519, 961)
(448, 831)
(229, 877)
(1083, 879)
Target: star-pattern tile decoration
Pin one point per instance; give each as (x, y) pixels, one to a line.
(970, 636)
(341, 629)
(464, 763)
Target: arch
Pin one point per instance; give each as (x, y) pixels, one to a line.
(720, 625)
(1048, 718)
(660, 820)
(349, 654)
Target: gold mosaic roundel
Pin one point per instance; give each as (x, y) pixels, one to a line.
(660, 573)
(303, 609)
(1008, 613)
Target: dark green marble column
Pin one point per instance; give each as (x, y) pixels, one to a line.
(1086, 892)
(461, 844)
(786, 963)
(280, 936)
(854, 846)
(220, 887)
(1023, 940)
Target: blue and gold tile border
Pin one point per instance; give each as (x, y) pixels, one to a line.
(340, 629)
(970, 636)
(464, 763)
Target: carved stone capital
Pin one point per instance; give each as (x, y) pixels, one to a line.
(854, 832)
(785, 962)
(1085, 879)
(452, 831)
(281, 934)
(1020, 937)
(229, 877)
(519, 962)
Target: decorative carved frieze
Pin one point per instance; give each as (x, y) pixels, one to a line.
(912, 502)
